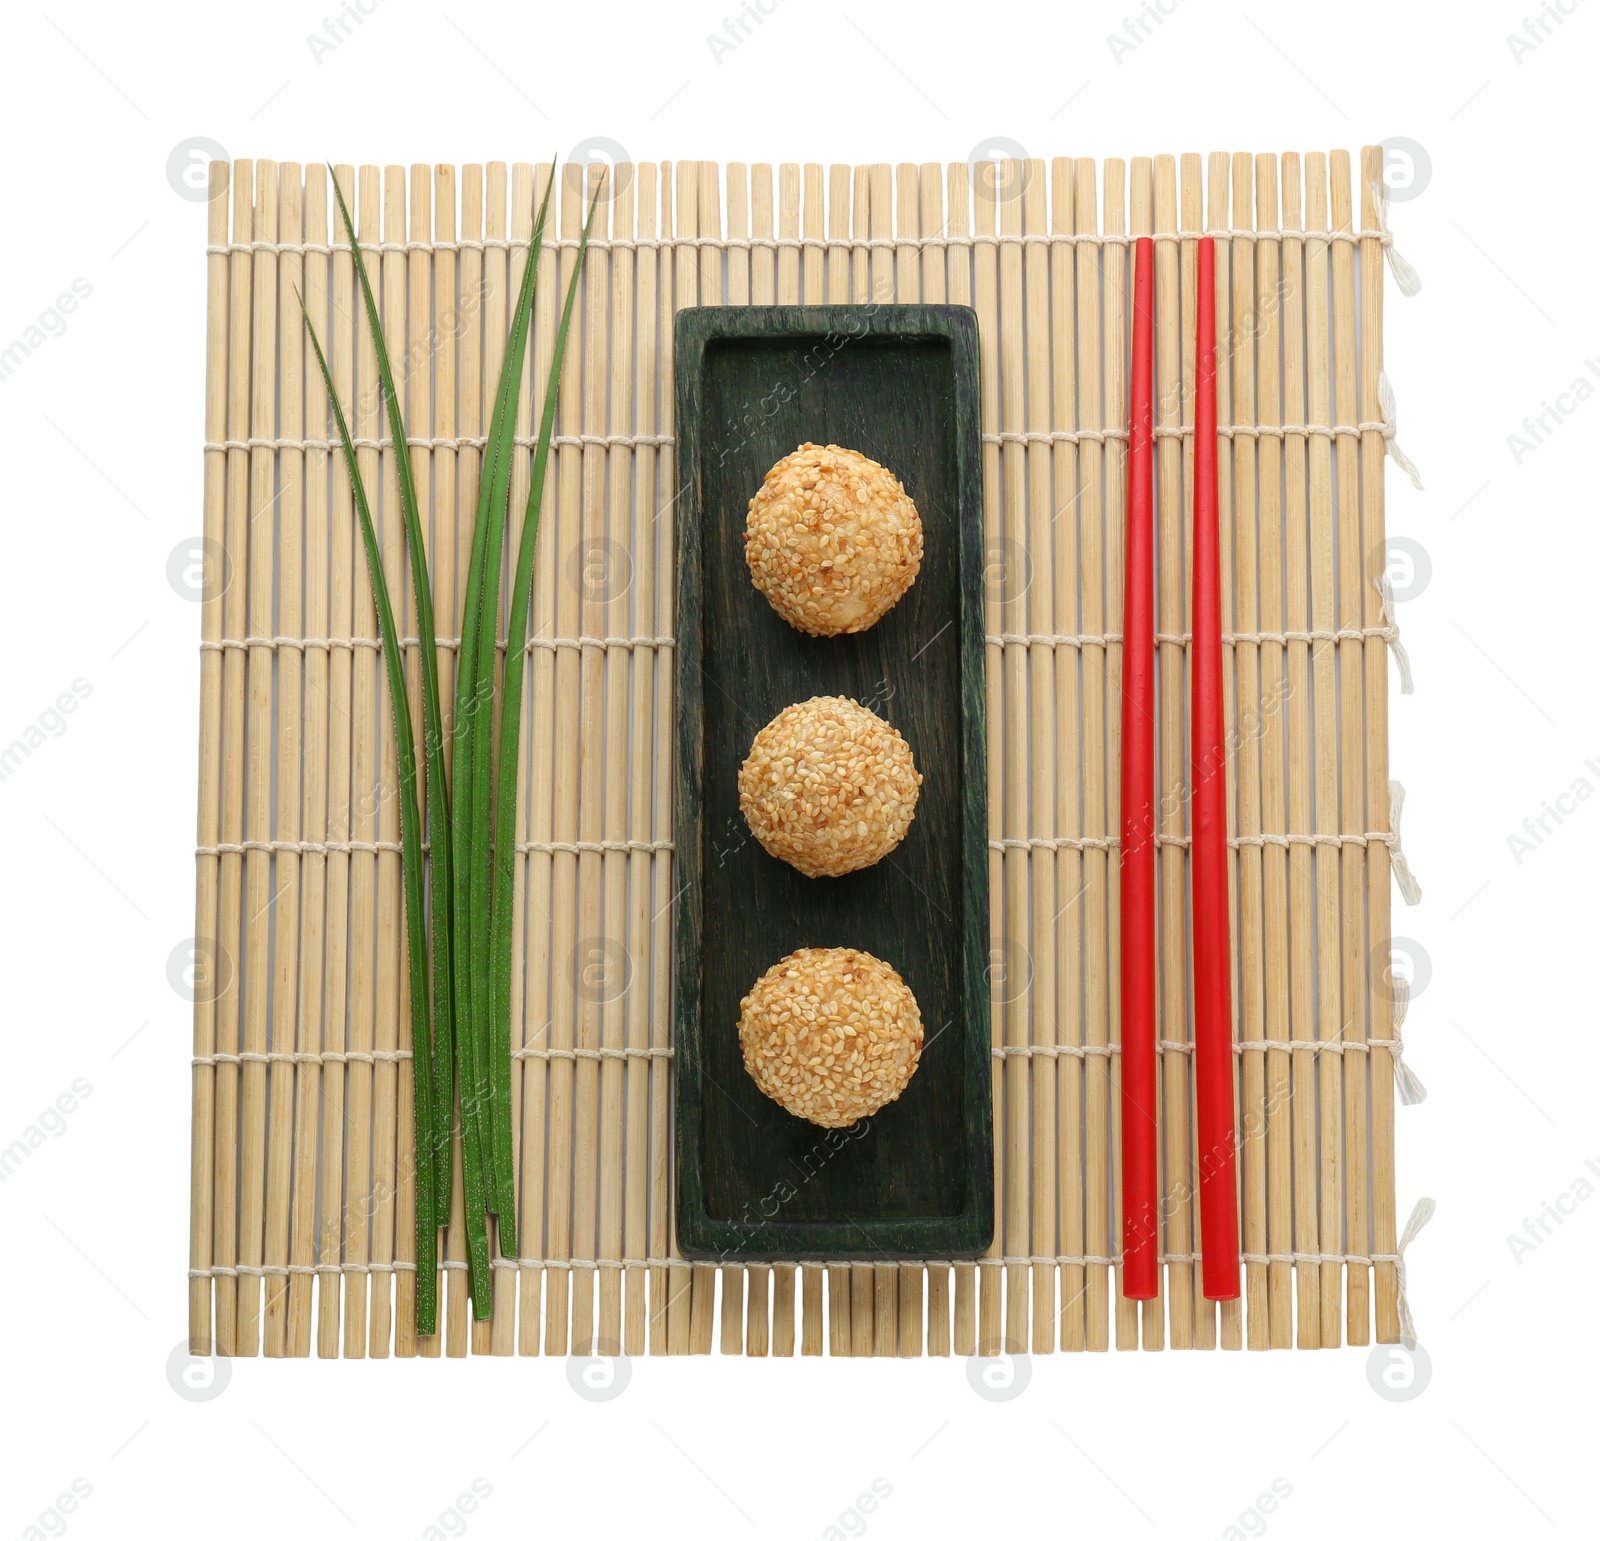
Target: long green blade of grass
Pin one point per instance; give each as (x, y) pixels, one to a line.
(474, 768)
(505, 851)
(411, 864)
(440, 866)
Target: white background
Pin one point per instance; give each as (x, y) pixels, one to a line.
(102, 483)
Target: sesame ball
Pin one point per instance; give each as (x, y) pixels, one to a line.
(832, 540)
(831, 1033)
(829, 787)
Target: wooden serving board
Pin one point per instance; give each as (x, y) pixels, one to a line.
(900, 384)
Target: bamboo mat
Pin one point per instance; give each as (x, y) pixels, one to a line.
(302, 1200)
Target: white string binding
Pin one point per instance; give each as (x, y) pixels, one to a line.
(1273, 430)
(300, 644)
(1235, 842)
(1386, 427)
(833, 243)
(1411, 1090)
(599, 847)
(577, 1054)
(1406, 278)
(271, 1270)
(1340, 1046)
(1058, 436)
(326, 1057)
(456, 441)
(1392, 631)
(1386, 405)
(1410, 888)
(1388, 633)
(1420, 1216)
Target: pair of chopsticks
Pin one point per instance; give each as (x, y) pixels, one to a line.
(1208, 855)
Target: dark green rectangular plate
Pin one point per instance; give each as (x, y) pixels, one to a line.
(899, 383)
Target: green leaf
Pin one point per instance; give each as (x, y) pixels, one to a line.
(439, 868)
(411, 866)
(475, 689)
(505, 849)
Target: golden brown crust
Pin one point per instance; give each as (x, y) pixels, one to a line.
(832, 1034)
(832, 540)
(829, 787)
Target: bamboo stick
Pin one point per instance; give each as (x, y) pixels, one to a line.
(1172, 590)
(862, 1313)
(590, 961)
(1191, 205)
(1091, 524)
(862, 1310)
(1302, 998)
(1117, 284)
(1354, 816)
(985, 280)
(257, 920)
(392, 991)
(528, 184)
(341, 822)
(643, 665)
(711, 293)
(208, 823)
(664, 1282)
(1041, 619)
(1067, 908)
(228, 961)
(996, 183)
(838, 232)
(860, 253)
(731, 1340)
(738, 293)
(686, 273)
(907, 228)
(565, 939)
(841, 1337)
(1380, 1001)
(907, 290)
(488, 296)
(318, 564)
(1230, 1312)
(814, 223)
(502, 267)
(1249, 699)
(752, 1332)
(838, 290)
(811, 1277)
(929, 190)
(957, 223)
(814, 279)
(235, 618)
(368, 790)
(1274, 811)
(1325, 737)
(416, 393)
(533, 938)
(285, 903)
(788, 230)
(886, 1302)
(618, 667)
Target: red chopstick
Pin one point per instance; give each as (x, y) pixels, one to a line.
(1208, 854)
(1138, 929)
